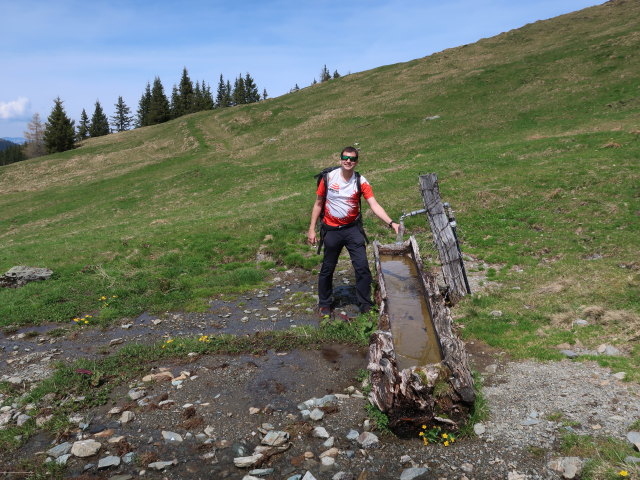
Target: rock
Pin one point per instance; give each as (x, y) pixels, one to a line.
(352, 435)
(22, 419)
(63, 459)
(161, 465)
(308, 476)
(320, 432)
(85, 448)
(343, 476)
(209, 431)
(316, 414)
(115, 411)
(124, 476)
(414, 473)
(620, 375)
(116, 341)
(327, 461)
(128, 457)
(107, 462)
(21, 275)
(496, 313)
(569, 353)
(126, 417)
(254, 411)
(466, 467)
(332, 452)
(630, 459)
(493, 368)
(329, 442)
(259, 472)
(59, 450)
(5, 418)
(245, 462)
(479, 428)
(406, 459)
(634, 438)
(158, 377)
(116, 439)
(612, 351)
(275, 438)
(171, 436)
(580, 322)
(368, 440)
(136, 393)
(568, 467)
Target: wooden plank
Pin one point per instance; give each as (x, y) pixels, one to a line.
(444, 238)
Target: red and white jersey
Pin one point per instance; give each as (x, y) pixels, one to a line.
(342, 205)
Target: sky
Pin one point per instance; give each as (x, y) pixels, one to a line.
(85, 52)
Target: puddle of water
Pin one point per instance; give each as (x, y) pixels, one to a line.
(414, 337)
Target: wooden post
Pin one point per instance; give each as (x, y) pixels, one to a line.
(444, 238)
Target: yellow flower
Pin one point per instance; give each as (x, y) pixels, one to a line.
(446, 444)
(114, 296)
(424, 426)
(623, 473)
(421, 434)
(170, 340)
(86, 322)
(424, 440)
(444, 435)
(103, 298)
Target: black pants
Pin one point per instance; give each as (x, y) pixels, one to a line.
(353, 239)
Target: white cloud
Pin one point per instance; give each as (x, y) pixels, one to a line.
(14, 109)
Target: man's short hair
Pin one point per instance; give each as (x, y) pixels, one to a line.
(349, 150)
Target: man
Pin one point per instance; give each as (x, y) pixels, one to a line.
(341, 226)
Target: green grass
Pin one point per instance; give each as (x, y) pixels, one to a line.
(536, 149)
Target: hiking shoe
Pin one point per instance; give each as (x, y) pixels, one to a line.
(324, 312)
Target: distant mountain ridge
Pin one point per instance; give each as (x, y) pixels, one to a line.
(4, 144)
(18, 140)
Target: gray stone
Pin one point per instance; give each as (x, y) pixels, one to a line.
(128, 457)
(320, 432)
(352, 435)
(620, 375)
(124, 476)
(85, 448)
(328, 461)
(297, 476)
(530, 421)
(275, 438)
(630, 459)
(127, 416)
(171, 436)
(581, 323)
(21, 275)
(316, 414)
(5, 418)
(245, 462)
(343, 476)
(368, 440)
(22, 419)
(612, 351)
(496, 313)
(161, 465)
(479, 428)
(568, 467)
(308, 476)
(466, 467)
(136, 393)
(63, 459)
(414, 473)
(107, 462)
(259, 472)
(491, 368)
(569, 353)
(634, 437)
(329, 442)
(59, 450)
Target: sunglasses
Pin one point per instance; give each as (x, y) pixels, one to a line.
(347, 157)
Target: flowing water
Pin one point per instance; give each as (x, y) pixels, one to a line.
(414, 337)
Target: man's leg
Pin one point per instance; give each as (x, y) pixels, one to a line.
(332, 247)
(357, 251)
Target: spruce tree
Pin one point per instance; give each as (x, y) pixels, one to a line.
(250, 89)
(324, 74)
(336, 74)
(239, 91)
(142, 114)
(207, 97)
(198, 99)
(12, 154)
(83, 127)
(99, 122)
(175, 106)
(122, 118)
(264, 94)
(159, 104)
(228, 95)
(186, 93)
(35, 147)
(59, 131)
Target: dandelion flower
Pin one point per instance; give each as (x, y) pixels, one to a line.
(623, 473)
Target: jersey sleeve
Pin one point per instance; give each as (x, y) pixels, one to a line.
(367, 191)
(321, 188)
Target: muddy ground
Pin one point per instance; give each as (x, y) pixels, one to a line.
(222, 402)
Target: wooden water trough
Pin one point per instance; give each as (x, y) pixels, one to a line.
(414, 383)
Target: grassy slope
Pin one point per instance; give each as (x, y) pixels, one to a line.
(536, 148)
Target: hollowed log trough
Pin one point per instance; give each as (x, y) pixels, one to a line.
(435, 394)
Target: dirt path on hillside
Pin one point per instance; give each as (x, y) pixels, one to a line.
(210, 410)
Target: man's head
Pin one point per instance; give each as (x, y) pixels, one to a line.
(349, 154)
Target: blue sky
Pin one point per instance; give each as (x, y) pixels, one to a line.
(86, 51)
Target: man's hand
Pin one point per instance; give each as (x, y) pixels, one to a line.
(396, 227)
(312, 239)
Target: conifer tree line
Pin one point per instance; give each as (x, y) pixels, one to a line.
(60, 133)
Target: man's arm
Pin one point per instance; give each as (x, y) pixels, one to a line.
(315, 214)
(381, 214)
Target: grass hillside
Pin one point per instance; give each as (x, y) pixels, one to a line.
(536, 146)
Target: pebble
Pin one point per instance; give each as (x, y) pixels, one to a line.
(320, 432)
(308, 476)
(368, 440)
(85, 448)
(352, 435)
(316, 414)
(110, 461)
(127, 416)
(275, 438)
(171, 436)
(63, 459)
(496, 313)
(161, 465)
(479, 428)
(414, 473)
(634, 438)
(59, 450)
